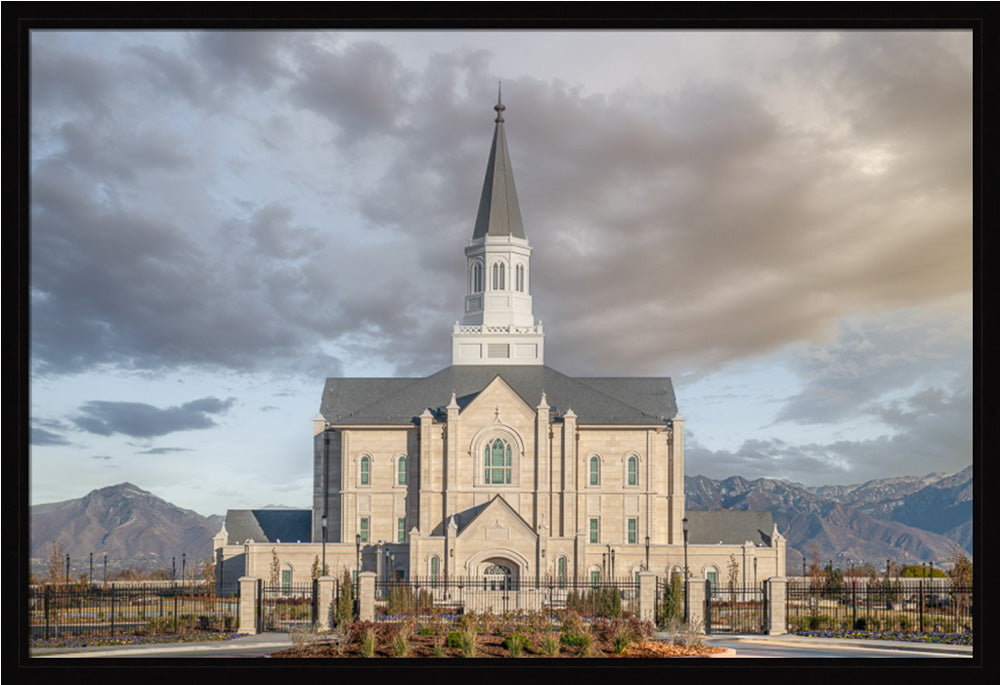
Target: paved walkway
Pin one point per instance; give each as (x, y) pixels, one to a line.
(273, 641)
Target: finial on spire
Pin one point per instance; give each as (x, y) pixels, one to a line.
(499, 106)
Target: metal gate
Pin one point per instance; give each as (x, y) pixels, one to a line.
(736, 609)
(286, 605)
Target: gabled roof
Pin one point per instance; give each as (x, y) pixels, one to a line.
(496, 505)
(601, 401)
(499, 213)
(729, 527)
(268, 525)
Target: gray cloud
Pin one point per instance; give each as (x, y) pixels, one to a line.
(930, 431)
(671, 232)
(165, 450)
(40, 436)
(141, 420)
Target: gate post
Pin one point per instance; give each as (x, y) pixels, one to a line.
(248, 606)
(325, 591)
(366, 596)
(777, 604)
(695, 590)
(647, 596)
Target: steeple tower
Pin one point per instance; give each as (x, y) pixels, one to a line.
(498, 326)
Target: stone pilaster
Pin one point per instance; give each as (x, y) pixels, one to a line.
(777, 598)
(543, 484)
(676, 484)
(426, 465)
(366, 596)
(647, 596)
(451, 459)
(248, 605)
(571, 521)
(325, 591)
(694, 589)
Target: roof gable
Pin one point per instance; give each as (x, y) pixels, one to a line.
(497, 521)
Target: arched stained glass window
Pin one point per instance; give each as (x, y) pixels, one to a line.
(435, 568)
(401, 471)
(365, 470)
(633, 471)
(561, 571)
(595, 471)
(497, 462)
(498, 276)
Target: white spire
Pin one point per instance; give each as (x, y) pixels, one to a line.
(498, 326)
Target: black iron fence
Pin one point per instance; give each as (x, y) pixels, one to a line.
(735, 609)
(286, 605)
(424, 596)
(923, 607)
(73, 609)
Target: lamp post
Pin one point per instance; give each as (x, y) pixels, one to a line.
(90, 576)
(888, 566)
(67, 569)
(322, 522)
(684, 523)
(755, 571)
(326, 491)
(105, 569)
(183, 567)
(647, 554)
(612, 563)
(357, 565)
(173, 568)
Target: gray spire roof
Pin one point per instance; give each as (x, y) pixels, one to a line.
(499, 213)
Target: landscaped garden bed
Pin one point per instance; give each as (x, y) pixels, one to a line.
(487, 635)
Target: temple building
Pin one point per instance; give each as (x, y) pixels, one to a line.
(499, 465)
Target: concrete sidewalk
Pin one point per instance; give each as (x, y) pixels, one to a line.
(903, 645)
(271, 640)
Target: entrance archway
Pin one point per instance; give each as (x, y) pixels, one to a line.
(498, 574)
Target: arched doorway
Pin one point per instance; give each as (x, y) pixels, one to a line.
(498, 574)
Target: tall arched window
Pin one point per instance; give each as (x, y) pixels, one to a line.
(561, 571)
(477, 277)
(365, 470)
(595, 471)
(633, 471)
(498, 276)
(435, 568)
(497, 462)
(519, 278)
(401, 471)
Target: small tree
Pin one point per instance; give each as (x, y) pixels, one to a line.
(315, 572)
(345, 600)
(733, 571)
(275, 568)
(56, 564)
(961, 570)
(673, 602)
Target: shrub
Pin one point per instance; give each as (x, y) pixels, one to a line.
(454, 639)
(368, 644)
(549, 645)
(861, 623)
(515, 643)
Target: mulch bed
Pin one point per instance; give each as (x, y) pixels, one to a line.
(492, 646)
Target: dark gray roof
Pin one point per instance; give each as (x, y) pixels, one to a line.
(499, 213)
(380, 401)
(729, 527)
(268, 525)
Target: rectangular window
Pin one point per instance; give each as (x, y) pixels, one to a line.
(594, 530)
(633, 531)
(401, 530)
(286, 581)
(363, 529)
(595, 577)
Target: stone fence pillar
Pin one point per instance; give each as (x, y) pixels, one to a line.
(366, 596)
(777, 602)
(325, 587)
(248, 606)
(694, 589)
(647, 596)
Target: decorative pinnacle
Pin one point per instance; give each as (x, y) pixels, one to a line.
(499, 106)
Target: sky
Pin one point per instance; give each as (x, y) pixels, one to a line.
(779, 221)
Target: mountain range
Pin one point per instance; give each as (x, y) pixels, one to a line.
(907, 519)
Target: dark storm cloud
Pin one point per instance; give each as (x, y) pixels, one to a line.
(141, 420)
(670, 231)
